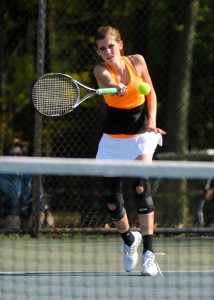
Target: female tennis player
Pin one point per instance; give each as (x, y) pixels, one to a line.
(129, 134)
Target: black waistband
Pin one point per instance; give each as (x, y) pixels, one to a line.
(125, 121)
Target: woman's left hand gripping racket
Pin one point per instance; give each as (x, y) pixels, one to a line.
(56, 94)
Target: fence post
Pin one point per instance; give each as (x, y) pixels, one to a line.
(38, 117)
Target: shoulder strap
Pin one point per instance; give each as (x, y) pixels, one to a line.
(131, 61)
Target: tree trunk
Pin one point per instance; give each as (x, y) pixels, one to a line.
(178, 104)
(180, 80)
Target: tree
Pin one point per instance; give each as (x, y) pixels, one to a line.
(180, 94)
(180, 78)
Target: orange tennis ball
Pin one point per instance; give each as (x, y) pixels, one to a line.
(144, 88)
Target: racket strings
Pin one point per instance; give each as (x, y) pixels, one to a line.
(54, 95)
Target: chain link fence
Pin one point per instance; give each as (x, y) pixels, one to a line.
(175, 39)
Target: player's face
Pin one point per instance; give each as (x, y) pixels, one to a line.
(109, 49)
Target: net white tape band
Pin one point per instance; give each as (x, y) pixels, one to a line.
(92, 167)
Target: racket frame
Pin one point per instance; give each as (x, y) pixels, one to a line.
(100, 91)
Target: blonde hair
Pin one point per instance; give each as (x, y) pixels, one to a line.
(105, 31)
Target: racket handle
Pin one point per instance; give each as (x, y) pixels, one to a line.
(110, 91)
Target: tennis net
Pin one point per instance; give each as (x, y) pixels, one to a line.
(80, 255)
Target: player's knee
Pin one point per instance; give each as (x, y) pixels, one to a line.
(117, 210)
(143, 196)
(114, 198)
(111, 207)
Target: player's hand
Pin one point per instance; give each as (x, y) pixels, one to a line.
(122, 90)
(155, 130)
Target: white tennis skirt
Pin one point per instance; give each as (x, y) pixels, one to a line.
(128, 148)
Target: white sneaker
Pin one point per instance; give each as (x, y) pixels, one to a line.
(130, 256)
(150, 265)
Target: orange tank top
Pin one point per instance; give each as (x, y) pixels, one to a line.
(132, 98)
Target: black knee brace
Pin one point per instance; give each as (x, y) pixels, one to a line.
(113, 195)
(144, 200)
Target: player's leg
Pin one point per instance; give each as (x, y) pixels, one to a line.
(115, 205)
(145, 209)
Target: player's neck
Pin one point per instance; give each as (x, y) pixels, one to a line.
(121, 71)
(119, 67)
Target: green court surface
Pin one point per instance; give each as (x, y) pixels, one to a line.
(91, 268)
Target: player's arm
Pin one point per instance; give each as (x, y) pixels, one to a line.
(105, 80)
(151, 98)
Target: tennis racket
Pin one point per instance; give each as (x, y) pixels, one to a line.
(56, 94)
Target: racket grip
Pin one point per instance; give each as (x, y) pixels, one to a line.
(110, 91)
